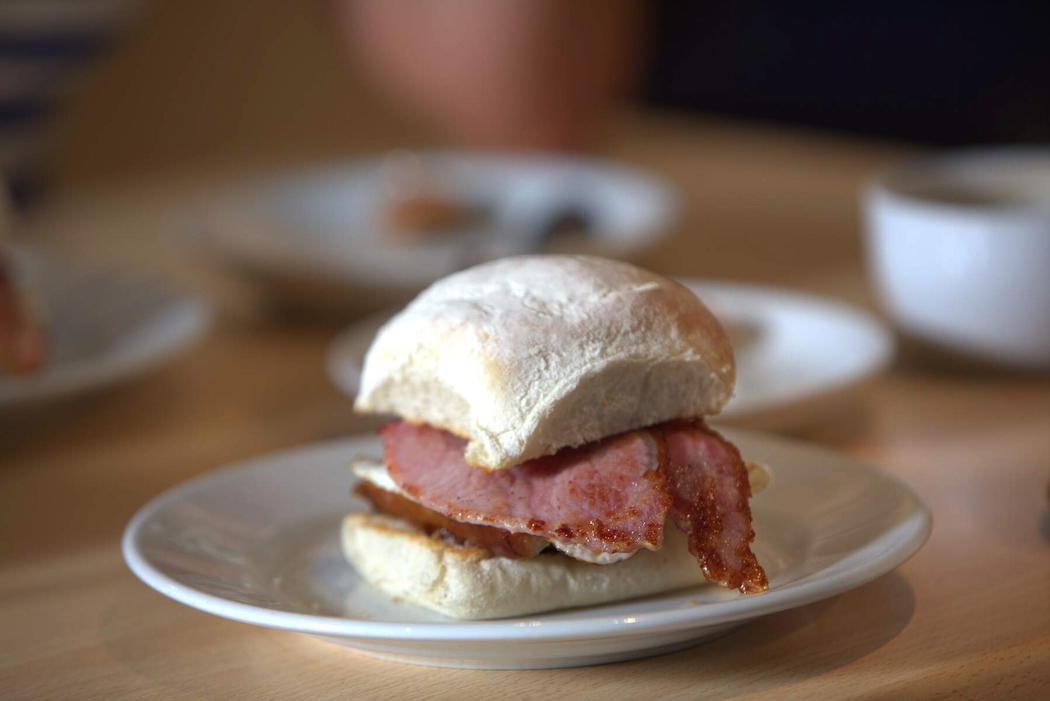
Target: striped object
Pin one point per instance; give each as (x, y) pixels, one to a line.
(41, 43)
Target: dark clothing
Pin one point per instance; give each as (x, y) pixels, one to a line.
(943, 73)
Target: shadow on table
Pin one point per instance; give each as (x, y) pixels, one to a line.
(777, 651)
(918, 357)
(20, 426)
(784, 648)
(172, 651)
(841, 420)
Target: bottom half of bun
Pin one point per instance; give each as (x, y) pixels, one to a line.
(466, 582)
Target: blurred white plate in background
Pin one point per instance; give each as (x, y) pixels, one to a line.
(259, 543)
(103, 327)
(794, 351)
(317, 236)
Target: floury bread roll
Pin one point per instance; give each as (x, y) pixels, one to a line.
(525, 356)
(467, 582)
(550, 430)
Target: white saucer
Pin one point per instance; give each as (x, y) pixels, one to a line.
(793, 350)
(103, 327)
(316, 236)
(258, 542)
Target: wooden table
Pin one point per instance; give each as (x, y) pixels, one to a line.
(967, 617)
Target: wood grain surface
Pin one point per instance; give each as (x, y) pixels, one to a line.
(967, 618)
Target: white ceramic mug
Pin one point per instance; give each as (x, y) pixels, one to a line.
(959, 247)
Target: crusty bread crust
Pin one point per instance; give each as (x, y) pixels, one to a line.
(470, 583)
(527, 355)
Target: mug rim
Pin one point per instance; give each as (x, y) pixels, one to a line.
(889, 187)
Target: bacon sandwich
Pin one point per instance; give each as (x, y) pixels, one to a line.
(549, 448)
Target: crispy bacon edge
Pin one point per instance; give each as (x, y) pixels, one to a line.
(704, 520)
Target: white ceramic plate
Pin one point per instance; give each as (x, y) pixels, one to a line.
(793, 350)
(316, 236)
(258, 542)
(103, 328)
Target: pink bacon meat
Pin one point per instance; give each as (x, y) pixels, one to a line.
(605, 496)
(610, 496)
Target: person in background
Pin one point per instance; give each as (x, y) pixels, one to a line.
(528, 74)
(41, 43)
(540, 73)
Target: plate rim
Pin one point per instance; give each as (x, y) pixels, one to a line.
(919, 523)
(662, 189)
(190, 314)
(882, 355)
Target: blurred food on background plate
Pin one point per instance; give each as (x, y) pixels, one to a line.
(414, 206)
(368, 234)
(418, 206)
(103, 327)
(23, 340)
(421, 216)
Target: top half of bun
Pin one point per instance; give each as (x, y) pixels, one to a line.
(527, 355)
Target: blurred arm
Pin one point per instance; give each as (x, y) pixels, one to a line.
(505, 73)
